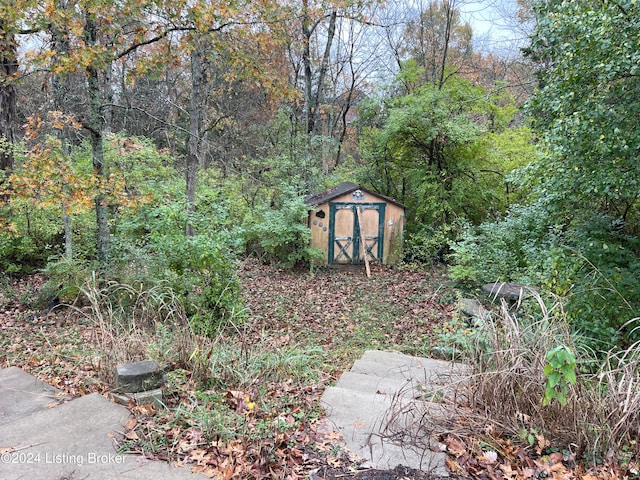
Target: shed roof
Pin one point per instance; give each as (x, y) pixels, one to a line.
(340, 189)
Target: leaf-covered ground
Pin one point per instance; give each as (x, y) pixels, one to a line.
(267, 427)
(345, 312)
(337, 312)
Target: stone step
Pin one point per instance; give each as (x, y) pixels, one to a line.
(386, 407)
(22, 394)
(372, 384)
(377, 362)
(72, 440)
(365, 419)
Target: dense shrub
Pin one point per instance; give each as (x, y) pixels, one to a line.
(153, 250)
(19, 254)
(431, 244)
(280, 234)
(588, 262)
(508, 250)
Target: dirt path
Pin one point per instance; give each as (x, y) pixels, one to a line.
(346, 312)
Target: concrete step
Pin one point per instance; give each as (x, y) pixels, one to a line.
(74, 440)
(391, 386)
(425, 378)
(22, 394)
(388, 364)
(366, 419)
(386, 408)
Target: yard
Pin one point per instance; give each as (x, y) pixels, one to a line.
(246, 402)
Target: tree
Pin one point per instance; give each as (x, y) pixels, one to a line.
(587, 107)
(329, 56)
(433, 152)
(8, 73)
(438, 41)
(577, 234)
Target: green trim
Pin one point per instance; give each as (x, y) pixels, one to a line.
(332, 234)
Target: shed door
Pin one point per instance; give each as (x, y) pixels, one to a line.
(346, 243)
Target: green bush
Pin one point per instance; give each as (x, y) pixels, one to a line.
(65, 279)
(20, 254)
(431, 244)
(152, 249)
(596, 270)
(589, 262)
(280, 234)
(513, 249)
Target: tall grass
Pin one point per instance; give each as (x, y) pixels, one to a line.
(136, 323)
(507, 386)
(140, 323)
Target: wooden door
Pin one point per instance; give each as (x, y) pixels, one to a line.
(342, 235)
(346, 245)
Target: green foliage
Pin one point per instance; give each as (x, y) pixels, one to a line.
(19, 254)
(445, 154)
(249, 365)
(280, 234)
(66, 278)
(559, 372)
(587, 107)
(589, 262)
(456, 338)
(199, 269)
(508, 250)
(577, 237)
(431, 243)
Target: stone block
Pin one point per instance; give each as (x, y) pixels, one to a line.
(470, 308)
(139, 377)
(153, 397)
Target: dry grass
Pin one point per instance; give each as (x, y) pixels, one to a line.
(138, 324)
(505, 391)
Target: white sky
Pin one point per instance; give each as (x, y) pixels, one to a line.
(495, 25)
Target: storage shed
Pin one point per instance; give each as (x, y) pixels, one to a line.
(348, 219)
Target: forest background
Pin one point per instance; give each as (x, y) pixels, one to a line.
(154, 143)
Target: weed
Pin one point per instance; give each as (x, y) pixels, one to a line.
(560, 373)
(523, 363)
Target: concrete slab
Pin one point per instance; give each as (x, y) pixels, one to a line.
(74, 441)
(434, 378)
(378, 362)
(363, 420)
(22, 394)
(389, 386)
(381, 405)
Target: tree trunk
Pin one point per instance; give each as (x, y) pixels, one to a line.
(306, 61)
(194, 136)
(96, 128)
(315, 106)
(449, 8)
(60, 87)
(8, 99)
(68, 237)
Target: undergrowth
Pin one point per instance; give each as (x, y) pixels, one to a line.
(531, 377)
(235, 399)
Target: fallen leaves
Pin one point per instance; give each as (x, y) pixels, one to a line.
(273, 431)
(506, 460)
(340, 309)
